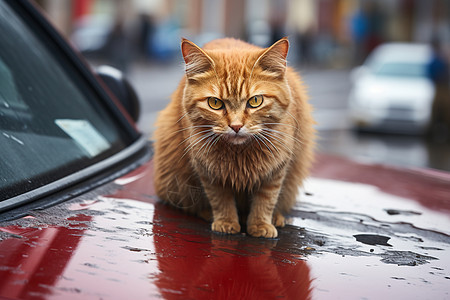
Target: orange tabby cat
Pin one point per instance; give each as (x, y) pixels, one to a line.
(237, 137)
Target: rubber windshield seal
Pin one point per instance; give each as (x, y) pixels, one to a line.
(76, 177)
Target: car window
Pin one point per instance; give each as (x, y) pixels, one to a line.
(400, 69)
(52, 123)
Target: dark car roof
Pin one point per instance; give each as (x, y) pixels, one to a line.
(359, 230)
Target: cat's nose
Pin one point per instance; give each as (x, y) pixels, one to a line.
(236, 128)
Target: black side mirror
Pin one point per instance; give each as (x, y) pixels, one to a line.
(122, 89)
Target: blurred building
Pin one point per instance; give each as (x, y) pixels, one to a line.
(328, 32)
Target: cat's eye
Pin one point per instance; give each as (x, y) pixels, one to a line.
(215, 103)
(255, 101)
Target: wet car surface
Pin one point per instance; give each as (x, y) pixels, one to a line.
(99, 231)
(346, 239)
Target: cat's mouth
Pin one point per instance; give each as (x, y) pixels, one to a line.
(237, 138)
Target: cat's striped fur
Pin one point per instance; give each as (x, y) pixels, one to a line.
(238, 159)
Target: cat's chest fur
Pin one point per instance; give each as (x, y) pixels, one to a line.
(242, 167)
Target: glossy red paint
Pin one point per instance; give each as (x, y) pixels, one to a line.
(119, 243)
(212, 266)
(431, 188)
(35, 257)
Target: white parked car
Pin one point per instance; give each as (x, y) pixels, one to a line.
(391, 91)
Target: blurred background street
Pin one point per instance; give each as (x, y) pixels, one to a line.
(329, 39)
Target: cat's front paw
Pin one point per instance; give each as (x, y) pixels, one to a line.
(226, 226)
(264, 230)
(278, 220)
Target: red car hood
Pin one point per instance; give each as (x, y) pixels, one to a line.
(360, 231)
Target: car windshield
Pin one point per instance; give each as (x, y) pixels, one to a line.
(52, 123)
(400, 69)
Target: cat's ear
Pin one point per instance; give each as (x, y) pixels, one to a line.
(273, 59)
(197, 61)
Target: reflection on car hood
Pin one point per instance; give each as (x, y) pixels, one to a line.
(359, 230)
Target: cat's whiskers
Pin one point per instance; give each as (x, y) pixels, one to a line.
(181, 117)
(258, 139)
(195, 143)
(217, 138)
(282, 124)
(193, 127)
(194, 135)
(296, 121)
(279, 140)
(262, 138)
(299, 132)
(256, 133)
(208, 141)
(259, 144)
(283, 134)
(204, 135)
